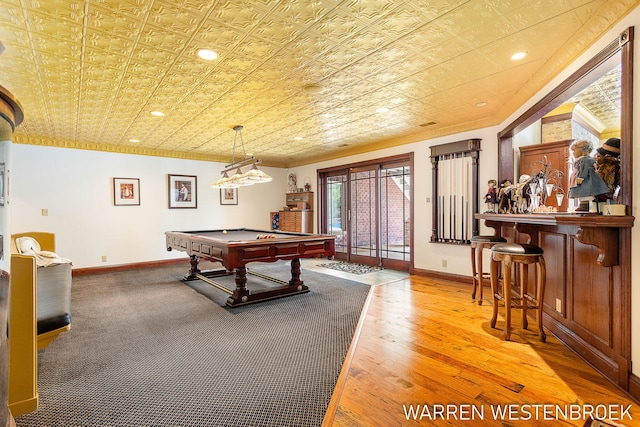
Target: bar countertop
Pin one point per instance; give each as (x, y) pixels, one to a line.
(562, 218)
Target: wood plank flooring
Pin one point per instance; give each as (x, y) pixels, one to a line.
(425, 342)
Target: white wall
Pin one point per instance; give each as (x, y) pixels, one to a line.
(76, 188)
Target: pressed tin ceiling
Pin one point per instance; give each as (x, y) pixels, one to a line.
(89, 73)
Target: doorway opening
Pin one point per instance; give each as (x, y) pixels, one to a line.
(368, 207)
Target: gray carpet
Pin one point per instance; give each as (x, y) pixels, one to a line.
(146, 349)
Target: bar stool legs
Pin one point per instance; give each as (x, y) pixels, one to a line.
(478, 243)
(521, 255)
(476, 268)
(494, 290)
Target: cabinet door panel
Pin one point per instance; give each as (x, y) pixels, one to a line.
(557, 155)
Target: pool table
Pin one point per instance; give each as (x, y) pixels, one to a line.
(235, 248)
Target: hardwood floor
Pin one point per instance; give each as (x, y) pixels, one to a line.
(425, 342)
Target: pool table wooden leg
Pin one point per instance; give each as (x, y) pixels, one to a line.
(295, 274)
(240, 294)
(194, 261)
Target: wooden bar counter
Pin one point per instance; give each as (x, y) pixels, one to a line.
(587, 300)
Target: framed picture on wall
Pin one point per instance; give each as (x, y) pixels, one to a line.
(126, 191)
(183, 191)
(228, 196)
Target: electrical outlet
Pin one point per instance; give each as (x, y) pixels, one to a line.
(104, 258)
(444, 262)
(558, 305)
(45, 212)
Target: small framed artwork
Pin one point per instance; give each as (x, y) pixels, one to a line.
(228, 196)
(183, 191)
(126, 191)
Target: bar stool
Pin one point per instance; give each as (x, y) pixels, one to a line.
(478, 243)
(522, 255)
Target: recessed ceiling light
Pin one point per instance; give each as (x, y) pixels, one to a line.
(298, 138)
(313, 88)
(481, 104)
(134, 140)
(382, 110)
(518, 55)
(207, 54)
(157, 113)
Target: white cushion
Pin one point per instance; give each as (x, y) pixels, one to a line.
(27, 245)
(48, 254)
(30, 246)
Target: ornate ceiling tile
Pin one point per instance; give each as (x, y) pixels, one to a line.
(88, 73)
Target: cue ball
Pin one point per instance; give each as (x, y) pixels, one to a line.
(224, 231)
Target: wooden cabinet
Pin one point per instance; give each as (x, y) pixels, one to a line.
(588, 283)
(299, 218)
(296, 221)
(303, 200)
(557, 154)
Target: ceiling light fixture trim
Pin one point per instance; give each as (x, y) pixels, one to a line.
(207, 54)
(313, 88)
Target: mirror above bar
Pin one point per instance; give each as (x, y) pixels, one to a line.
(594, 103)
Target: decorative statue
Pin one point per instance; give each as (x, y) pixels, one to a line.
(491, 198)
(584, 182)
(608, 167)
(504, 197)
(520, 196)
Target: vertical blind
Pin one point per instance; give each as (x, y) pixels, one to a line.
(455, 191)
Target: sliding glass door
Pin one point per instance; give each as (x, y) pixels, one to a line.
(335, 209)
(395, 214)
(363, 213)
(368, 208)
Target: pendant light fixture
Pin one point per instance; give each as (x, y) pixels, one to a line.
(239, 179)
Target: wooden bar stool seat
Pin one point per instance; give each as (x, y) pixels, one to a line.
(478, 243)
(522, 255)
